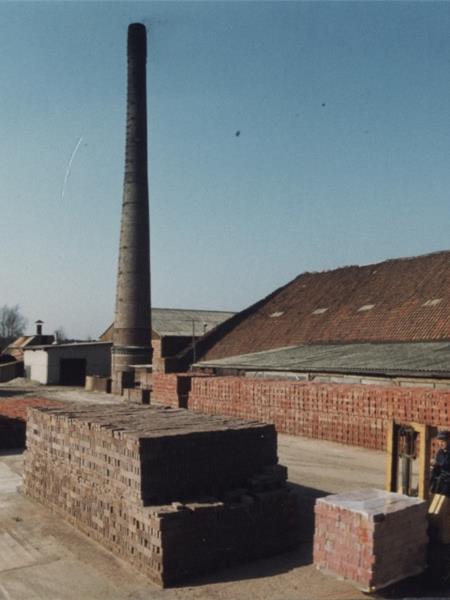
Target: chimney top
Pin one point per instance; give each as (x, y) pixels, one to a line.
(137, 41)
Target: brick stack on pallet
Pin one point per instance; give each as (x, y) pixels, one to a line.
(173, 492)
(370, 537)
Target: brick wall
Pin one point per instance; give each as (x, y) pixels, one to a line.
(350, 414)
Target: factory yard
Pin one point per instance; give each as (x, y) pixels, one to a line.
(42, 557)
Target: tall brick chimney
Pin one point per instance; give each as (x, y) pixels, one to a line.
(132, 324)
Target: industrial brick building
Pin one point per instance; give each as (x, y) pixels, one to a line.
(175, 329)
(334, 355)
(399, 300)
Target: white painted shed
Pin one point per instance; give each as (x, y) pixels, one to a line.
(67, 364)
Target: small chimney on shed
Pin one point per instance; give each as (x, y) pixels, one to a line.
(39, 324)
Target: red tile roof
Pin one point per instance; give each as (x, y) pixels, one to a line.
(405, 299)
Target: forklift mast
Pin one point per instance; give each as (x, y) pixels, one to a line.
(407, 442)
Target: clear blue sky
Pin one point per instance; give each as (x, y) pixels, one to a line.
(343, 156)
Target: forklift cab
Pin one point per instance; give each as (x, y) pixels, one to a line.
(408, 472)
(406, 444)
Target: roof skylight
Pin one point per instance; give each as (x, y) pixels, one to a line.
(366, 307)
(432, 302)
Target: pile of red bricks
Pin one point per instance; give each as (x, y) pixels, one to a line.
(370, 537)
(13, 417)
(171, 389)
(347, 413)
(173, 492)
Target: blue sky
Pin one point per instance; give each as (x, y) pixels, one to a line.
(343, 154)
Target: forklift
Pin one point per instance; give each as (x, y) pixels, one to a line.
(408, 472)
(407, 443)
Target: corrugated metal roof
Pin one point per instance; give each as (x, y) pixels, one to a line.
(178, 322)
(174, 321)
(430, 359)
(56, 347)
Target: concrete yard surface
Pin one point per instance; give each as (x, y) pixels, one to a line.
(44, 558)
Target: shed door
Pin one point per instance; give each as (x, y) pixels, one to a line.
(72, 371)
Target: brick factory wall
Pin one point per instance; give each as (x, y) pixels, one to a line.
(350, 414)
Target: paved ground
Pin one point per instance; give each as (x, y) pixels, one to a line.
(44, 558)
(22, 387)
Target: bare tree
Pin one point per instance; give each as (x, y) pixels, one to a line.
(12, 324)
(60, 335)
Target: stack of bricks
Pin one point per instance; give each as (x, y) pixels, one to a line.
(370, 537)
(13, 416)
(166, 389)
(173, 389)
(136, 395)
(352, 414)
(173, 492)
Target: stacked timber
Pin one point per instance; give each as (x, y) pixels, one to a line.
(370, 537)
(175, 493)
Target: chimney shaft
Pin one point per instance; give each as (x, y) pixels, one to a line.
(39, 327)
(132, 324)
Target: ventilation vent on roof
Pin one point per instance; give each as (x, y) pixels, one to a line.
(366, 307)
(277, 314)
(319, 311)
(432, 302)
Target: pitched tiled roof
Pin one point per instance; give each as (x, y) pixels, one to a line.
(404, 299)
